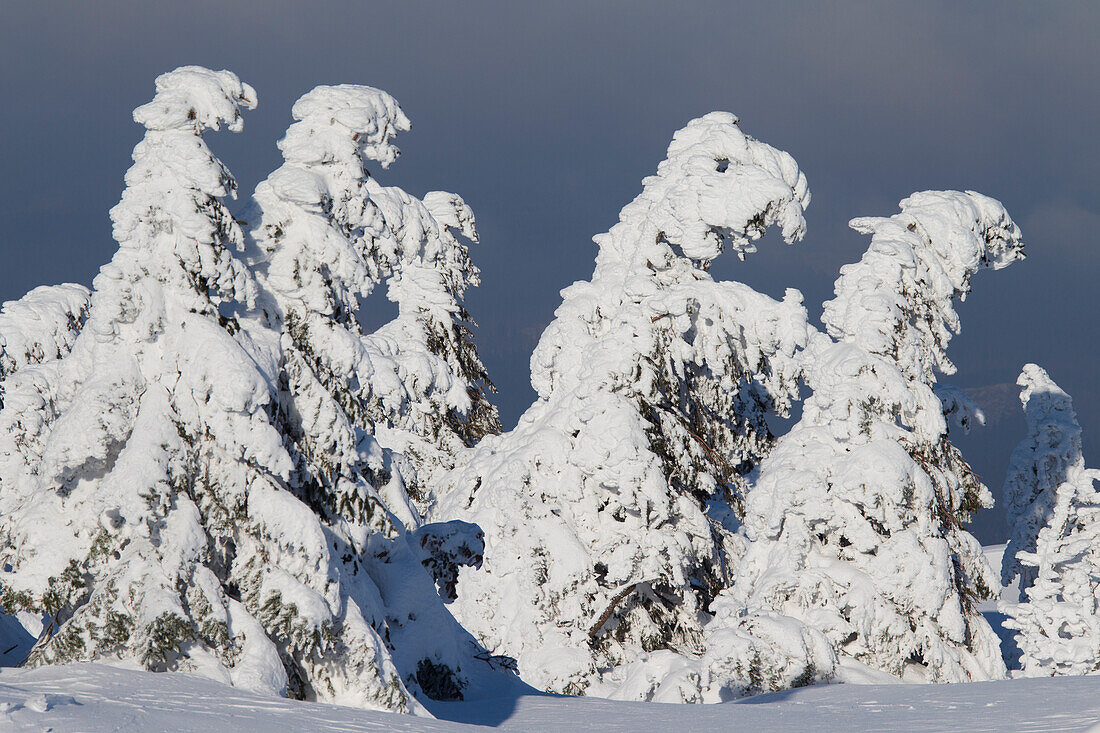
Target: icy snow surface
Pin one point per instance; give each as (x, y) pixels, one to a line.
(92, 698)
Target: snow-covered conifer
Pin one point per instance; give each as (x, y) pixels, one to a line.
(323, 244)
(602, 509)
(102, 519)
(149, 505)
(1058, 623)
(856, 547)
(443, 406)
(319, 236)
(1039, 465)
(333, 234)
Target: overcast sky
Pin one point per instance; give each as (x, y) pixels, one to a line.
(546, 116)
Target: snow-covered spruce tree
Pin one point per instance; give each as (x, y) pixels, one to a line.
(442, 407)
(99, 502)
(149, 505)
(856, 547)
(1057, 622)
(323, 244)
(1039, 465)
(40, 327)
(334, 235)
(318, 234)
(603, 509)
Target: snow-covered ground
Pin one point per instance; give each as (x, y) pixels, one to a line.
(95, 697)
(91, 698)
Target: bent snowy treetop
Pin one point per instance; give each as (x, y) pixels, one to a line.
(898, 300)
(195, 99)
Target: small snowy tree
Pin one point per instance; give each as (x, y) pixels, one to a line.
(602, 509)
(1039, 465)
(1058, 623)
(855, 541)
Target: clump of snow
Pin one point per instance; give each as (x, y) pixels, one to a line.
(40, 327)
(446, 547)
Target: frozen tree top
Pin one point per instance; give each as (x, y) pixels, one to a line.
(196, 99)
(1045, 403)
(717, 189)
(338, 123)
(918, 262)
(716, 185)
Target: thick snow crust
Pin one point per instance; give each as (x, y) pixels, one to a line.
(855, 547)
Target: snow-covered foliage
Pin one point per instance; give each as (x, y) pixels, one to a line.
(40, 327)
(855, 542)
(154, 503)
(958, 407)
(445, 548)
(318, 235)
(443, 408)
(330, 234)
(1058, 623)
(603, 510)
(1055, 546)
(101, 483)
(1039, 465)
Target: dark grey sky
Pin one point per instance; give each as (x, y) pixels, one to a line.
(545, 117)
